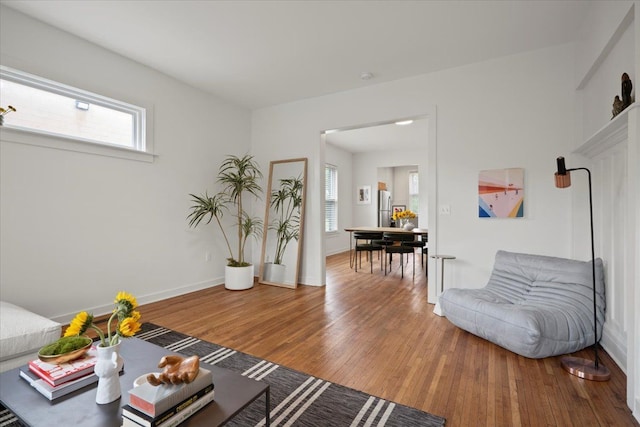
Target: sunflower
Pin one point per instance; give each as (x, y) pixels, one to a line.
(127, 321)
(128, 327)
(79, 324)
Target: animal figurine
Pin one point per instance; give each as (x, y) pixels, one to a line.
(617, 106)
(177, 370)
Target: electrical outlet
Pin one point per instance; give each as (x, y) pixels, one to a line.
(445, 210)
(207, 256)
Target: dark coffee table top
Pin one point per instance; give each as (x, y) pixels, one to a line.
(233, 392)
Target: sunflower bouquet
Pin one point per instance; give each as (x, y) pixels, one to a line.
(124, 314)
(407, 214)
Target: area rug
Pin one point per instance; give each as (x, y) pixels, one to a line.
(297, 399)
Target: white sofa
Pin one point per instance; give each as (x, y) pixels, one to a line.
(22, 334)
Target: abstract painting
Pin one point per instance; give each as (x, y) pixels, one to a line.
(501, 193)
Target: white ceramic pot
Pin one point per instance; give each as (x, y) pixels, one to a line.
(238, 278)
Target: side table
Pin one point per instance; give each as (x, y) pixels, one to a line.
(437, 310)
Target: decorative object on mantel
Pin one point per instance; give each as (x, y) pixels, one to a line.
(176, 370)
(577, 366)
(109, 361)
(617, 106)
(626, 88)
(4, 112)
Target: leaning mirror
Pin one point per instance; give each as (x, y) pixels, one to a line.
(284, 222)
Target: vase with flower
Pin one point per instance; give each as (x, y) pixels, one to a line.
(403, 219)
(127, 323)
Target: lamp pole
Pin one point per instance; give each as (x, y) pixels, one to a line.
(578, 366)
(593, 266)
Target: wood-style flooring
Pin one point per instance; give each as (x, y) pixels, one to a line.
(378, 334)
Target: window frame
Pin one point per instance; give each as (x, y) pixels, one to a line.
(414, 198)
(334, 200)
(141, 130)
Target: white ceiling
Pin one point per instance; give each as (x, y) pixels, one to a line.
(261, 53)
(381, 137)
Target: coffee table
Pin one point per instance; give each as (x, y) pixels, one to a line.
(233, 393)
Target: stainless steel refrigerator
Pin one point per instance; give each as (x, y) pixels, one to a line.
(384, 208)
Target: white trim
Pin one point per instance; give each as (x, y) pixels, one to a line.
(57, 142)
(141, 132)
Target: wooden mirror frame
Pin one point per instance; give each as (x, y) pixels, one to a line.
(287, 277)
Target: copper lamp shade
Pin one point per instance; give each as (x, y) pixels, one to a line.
(583, 368)
(563, 181)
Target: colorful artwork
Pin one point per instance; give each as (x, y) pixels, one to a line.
(501, 193)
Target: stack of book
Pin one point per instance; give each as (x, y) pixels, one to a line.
(167, 405)
(54, 381)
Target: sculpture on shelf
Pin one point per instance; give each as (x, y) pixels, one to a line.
(617, 106)
(627, 87)
(177, 370)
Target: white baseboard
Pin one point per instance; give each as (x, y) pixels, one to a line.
(145, 299)
(614, 342)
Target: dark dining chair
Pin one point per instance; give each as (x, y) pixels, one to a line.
(396, 247)
(419, 244)
(365, 241)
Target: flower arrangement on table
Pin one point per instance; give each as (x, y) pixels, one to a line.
(407, 214)
(126, 317)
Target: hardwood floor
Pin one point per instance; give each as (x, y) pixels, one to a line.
(379, 335)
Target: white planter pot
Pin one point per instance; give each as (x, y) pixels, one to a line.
(238, 278)
(274, 272)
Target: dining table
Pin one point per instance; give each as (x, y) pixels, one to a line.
(416, 231)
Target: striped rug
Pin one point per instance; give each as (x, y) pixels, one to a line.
(297, 399)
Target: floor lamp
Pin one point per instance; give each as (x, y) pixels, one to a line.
(583, 368)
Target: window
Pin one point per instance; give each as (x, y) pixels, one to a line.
(414, 192)
(52, 109)
(330, 198)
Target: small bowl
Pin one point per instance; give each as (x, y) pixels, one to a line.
(57, 359)
(143, 378)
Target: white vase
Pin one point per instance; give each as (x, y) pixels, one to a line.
(238, 278)
(108, 371)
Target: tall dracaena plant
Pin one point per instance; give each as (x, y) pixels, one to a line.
(237, 175)
(286, 202)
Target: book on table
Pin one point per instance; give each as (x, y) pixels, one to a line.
(175, 419)
(154, 401)
(64, 372)
(197, 400)
(51, 392)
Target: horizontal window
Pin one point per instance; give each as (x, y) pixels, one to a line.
(56, 110)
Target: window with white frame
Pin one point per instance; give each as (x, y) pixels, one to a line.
(414, 192)
(53, 109)
(330, 198)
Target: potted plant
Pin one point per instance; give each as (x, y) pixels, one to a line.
(237, 175)
(286, 202)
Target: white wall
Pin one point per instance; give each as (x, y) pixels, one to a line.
(365, 172)
(339, 241)
(515, 111)
(76, 228)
